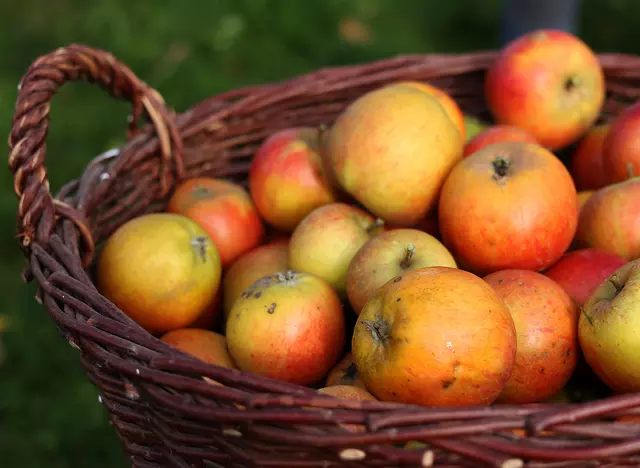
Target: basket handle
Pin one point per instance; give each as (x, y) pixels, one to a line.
(38, 210)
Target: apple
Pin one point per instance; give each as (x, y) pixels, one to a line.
(587, 162)
(581, 271)
(391, 150)
(224, 210)
(206, 345)
(288, 326)
(609, 329)
(549, 83)
(610, 220)
(447, 102)
(344, 373)
(161, 269)
(286, 177)
(327, 239)
(546, 321)
(435, 336)
(622, 146)
(508, 205)
(262, 261)
(496, 134)
(388, 255)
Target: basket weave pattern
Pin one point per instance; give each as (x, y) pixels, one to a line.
(165, 414)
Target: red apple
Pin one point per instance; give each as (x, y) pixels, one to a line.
(289, 326)
(587, 163)
(225, 210)
(388, 255)
(496, 134)
(508, 205)
(622, 146)
(546, 321)
(610, 220)
(549, 83)
(580, 272)
(327, 239)
(287, 180)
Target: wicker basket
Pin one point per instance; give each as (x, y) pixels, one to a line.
(165, 414)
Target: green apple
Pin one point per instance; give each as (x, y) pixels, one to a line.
(609, 329)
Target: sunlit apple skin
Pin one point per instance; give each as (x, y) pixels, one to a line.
(549, 83)
(508, 205)
(435, 336)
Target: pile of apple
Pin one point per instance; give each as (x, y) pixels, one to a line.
(394, 255)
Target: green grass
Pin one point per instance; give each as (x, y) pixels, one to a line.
(49, 413)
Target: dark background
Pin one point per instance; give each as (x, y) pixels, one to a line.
(188, 50)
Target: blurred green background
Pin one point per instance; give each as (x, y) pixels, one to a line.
(49, 413)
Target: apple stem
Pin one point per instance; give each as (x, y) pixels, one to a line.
(285, 277)
(571, 83)
(379, 329)
(378, 223)
(613, 279)
(410, 251)
(200, 245)
(500, 167)
(630, 171)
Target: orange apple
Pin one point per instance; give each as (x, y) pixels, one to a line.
(289, 326)
(508, 205)
(388, 255)
(496, 134)
(391, 150)
(435, 336)
(208, 346)
(225, 210)
(549, 83)
(587, 163)
(287, 179)
(546, 321)
(326, 240)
